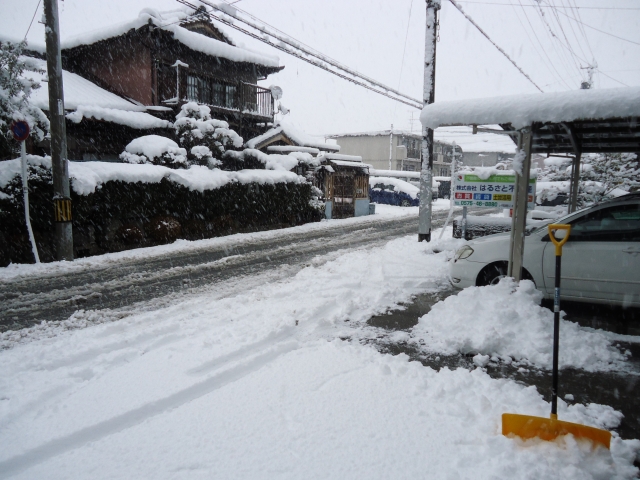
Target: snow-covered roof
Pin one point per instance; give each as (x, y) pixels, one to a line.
(462, 136)
(138, 120)
(88, 100)
(78, 91)
(479, 143)
(169, 21)
(292, 148)
(294, 135)
(345, 163)
(394, 173)
(344, 158)
(523, 110)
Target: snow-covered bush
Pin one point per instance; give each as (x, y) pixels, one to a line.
(205, 138)
(156, 150)
(15, 89)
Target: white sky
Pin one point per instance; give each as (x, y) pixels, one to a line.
(370, 35)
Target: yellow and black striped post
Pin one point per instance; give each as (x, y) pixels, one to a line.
(62, 209)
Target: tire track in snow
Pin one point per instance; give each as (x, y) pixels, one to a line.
(59, 446)
(25, 302)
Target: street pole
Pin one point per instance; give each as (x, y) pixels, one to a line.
(25, 195)
(390, 146)
(59, 161)
(426, 172)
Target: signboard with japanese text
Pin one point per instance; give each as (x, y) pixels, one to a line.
(495, 191)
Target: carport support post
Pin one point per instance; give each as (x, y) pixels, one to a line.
(519, 221)
(59, 163)
(426, 171)
(575, 183)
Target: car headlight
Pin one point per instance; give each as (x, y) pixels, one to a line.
(463, 252)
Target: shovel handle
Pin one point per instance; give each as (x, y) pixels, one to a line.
(559, 243)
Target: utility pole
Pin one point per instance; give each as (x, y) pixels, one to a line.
(390, 146)
(59, 161)
(426, 173)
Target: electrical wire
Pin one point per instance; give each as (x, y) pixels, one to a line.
(533, 5)
(494, 44)
(565, 59)
(549, 64)
(598, 30)
(32, 19)
(320, 61)
(404, 50)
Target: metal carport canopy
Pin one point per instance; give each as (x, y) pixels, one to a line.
(601, 120)
(574, 122)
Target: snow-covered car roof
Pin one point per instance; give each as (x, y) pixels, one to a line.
(399, 185)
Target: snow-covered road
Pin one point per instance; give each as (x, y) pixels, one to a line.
(32, 293)
(272, 375)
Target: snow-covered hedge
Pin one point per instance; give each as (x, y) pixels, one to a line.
(119, 206)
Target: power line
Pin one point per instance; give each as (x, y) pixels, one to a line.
(597, 29)
(404, 50)
(552, 68)
(494, 43)
(534, 5)
(299, 50)
(566, 60)
(32, 19)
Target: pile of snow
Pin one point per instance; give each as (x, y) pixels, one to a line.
(274, 161)
(522, 110)
(86, 177)
(398, 185)
(146, 148)
(506, 322)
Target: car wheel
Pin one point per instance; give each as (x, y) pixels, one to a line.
(494, 272)
(405, 203)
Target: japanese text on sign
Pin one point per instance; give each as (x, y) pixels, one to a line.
(494, 191)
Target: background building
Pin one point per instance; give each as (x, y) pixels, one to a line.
(400, 150)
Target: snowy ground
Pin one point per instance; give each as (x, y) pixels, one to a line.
(278, 381)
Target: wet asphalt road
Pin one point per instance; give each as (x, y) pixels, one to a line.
(25, 302)
(617, 389)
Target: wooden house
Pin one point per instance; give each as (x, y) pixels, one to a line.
(164, 60)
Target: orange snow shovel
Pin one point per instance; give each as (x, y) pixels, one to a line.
(526, 426)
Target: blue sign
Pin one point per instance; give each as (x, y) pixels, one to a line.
(482, 196)
(20, 130)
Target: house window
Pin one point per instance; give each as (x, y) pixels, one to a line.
(413, 146)
(211, 92)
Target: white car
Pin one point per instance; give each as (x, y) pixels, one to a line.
(600, 261)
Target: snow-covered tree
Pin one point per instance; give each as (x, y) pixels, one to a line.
(600, 176)
(205, 139)
(155, 150)
(15, 88)
(619, 171)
